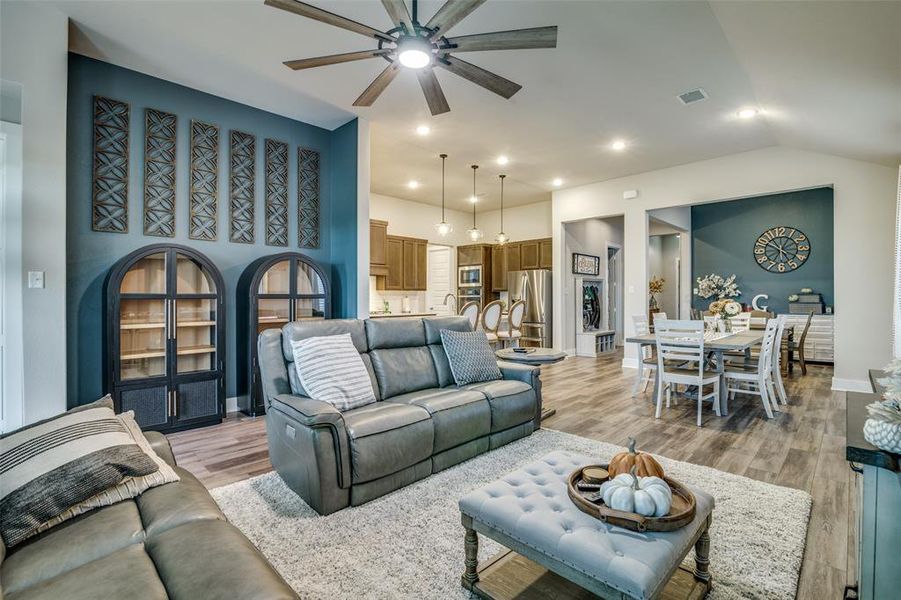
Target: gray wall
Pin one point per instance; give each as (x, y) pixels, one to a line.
(723, 236)
(90, 254)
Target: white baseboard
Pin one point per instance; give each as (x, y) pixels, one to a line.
(630, 363)
(231, 404)
(851, 385)
(570, 352)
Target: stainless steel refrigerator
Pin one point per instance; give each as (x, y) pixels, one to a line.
(533, 286)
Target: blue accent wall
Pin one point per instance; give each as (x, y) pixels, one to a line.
(91, 254)
(723, 236)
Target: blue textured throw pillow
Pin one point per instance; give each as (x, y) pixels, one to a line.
(471, 358)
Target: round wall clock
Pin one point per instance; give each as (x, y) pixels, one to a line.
(781, 249)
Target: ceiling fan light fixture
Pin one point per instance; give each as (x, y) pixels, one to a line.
(414, 52)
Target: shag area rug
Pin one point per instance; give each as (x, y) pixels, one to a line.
(409, 544)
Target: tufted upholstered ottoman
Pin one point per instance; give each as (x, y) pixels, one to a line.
(529, 512)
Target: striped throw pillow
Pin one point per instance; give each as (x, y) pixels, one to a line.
(331, 370)
(130, 487)
(48, 467)
(470, 356)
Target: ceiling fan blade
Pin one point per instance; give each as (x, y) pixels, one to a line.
(488, 80)
(432, 90)
(516, 39)
(450, 14)
(311, 12)
(399, 14)
(378, 85)
(333, 59)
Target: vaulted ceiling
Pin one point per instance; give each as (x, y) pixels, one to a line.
(826, 74)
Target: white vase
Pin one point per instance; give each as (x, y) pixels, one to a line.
(883, 434)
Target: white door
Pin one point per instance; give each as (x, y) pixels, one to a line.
(440, 282)
(11, 396)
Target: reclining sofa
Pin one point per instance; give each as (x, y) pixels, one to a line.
(421, 423)
(170, 543)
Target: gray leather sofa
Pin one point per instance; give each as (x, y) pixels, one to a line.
(421, 424)
(172, 541)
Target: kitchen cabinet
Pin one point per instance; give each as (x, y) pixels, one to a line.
(529, 254)
(498, 268)
(407, 264)
(545, 254)
(513, 258)
(468, 256)
(518, 256)
(394, 254)
(378, 248)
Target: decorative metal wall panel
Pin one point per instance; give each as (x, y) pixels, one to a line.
(203, 203)
(109, 197)
(276, 193)
(307, 198)
(241, 187)
(159, 173)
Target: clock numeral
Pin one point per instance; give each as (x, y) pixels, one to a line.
(759, 250)
(800, 238)
(762, 259)
(793, 264)
(781, 267)
(801, 257)
(780, 231)
(803, 248)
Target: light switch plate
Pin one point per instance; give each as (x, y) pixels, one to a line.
(36, 279)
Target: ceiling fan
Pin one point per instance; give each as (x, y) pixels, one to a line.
(422, 47)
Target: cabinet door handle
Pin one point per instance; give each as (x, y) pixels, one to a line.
(174, 403)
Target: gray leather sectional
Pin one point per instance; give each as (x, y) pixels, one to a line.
(422, 423)
(171, 542)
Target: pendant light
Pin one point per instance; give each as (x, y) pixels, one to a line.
(475, 234)
(501, 238)
(443, 228)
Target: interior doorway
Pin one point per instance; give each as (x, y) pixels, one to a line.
(440, 280)
(12, 412)
(615, 290)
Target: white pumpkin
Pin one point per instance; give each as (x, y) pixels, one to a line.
(647, 496)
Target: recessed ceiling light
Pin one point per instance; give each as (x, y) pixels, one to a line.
(423, 130)
(473, 199)
(502, 160)
(618, 145)
(557, 182)
(413, 184)
(748, 113)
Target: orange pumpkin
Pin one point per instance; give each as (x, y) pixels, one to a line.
(645, 464)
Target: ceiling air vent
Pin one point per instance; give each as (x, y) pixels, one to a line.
(692, 96)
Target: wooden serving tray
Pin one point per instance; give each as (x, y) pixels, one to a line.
(681, 513)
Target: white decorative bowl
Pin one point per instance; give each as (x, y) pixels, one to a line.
(883, 435)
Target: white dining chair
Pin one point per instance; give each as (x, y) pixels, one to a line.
(513, 332)
(740, 322)
(755, 379)
(647, 364)
(491, 320)
(775, 373)
(683, 342)
(470, 310)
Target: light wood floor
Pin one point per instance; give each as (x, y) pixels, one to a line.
(803, 447)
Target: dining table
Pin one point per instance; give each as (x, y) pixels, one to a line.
(715, 345)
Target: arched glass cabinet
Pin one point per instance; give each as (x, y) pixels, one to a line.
(272, 291)
(165, 337)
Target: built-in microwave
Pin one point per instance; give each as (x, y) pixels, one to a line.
(469, 276)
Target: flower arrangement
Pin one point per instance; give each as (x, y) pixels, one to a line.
(883, 428)
(724, 308)
(715, 286)
(793, 297)
(655, 286)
